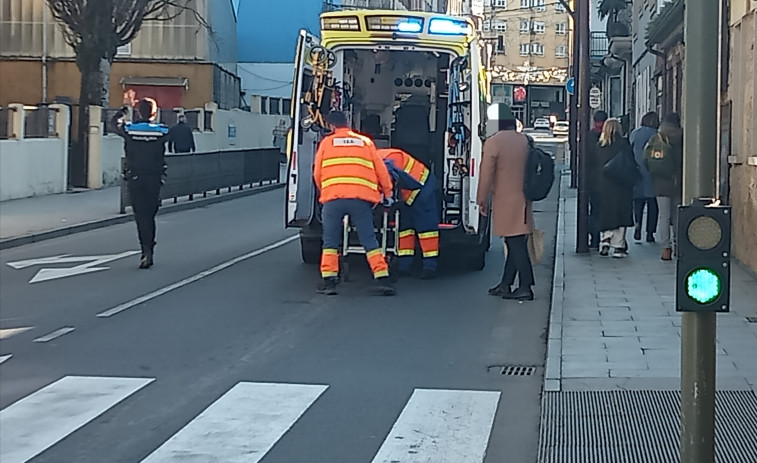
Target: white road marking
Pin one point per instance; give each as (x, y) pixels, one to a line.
(43, 418)
(192, 279)
(6, 333)
(3, 358)
(55, 334)
(441, 426)
(241, 426)
(55, 273)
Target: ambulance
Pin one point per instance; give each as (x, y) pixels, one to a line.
(410, 80)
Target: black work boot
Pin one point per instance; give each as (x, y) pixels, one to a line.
(383, 287)
(428, 274)
(327, 286)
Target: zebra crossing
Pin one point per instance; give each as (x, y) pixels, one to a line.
(439, 425)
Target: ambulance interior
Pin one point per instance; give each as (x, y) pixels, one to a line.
(400, 98)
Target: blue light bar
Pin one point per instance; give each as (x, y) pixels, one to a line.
(409, 26)
(449, 27)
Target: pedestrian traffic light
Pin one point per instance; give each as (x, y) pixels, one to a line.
(703, 268)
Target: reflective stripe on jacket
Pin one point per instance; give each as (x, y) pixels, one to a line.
(347, 166)
(411, 166)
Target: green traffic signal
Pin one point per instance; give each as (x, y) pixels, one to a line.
(703, 285)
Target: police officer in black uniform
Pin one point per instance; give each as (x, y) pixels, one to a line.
(145, 170)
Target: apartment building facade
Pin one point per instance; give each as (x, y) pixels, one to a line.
(177, 62)
(530, 45)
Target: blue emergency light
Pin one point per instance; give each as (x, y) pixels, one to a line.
(448, 27)
(409, 26)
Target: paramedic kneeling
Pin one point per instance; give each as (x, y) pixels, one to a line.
(419, 214)
(351, 178)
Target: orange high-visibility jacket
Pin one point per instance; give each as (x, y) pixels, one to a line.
(411, 166)
(347, 166)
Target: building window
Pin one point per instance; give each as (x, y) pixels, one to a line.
(275, 106)
(487, 24)
(539, 27)
(562, 28)
(499, 3)
(525, 49)
(560, 7)
(286, 106)
(499, 25)
(263, 105)
(561, 51)
(537, 49)
(525, 26)
(525, 4)
(500, 48)
(540, 5)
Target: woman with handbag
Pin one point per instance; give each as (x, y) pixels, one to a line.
(616, 180)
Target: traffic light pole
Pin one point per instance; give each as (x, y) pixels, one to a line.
(573, 121)
(582, 91)
(698, 329)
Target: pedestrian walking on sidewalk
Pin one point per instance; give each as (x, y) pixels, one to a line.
(615, 197)
(643, 193)
(180, 137)
(592, 177)
(664, 159)
(503, 170)
(144, 170)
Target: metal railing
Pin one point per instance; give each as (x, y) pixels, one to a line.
(190, 175)
(599, 45)
(6, 115)
(40, 122)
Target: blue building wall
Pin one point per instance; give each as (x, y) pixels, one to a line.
(267, 30)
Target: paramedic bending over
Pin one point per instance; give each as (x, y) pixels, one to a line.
(351, 178)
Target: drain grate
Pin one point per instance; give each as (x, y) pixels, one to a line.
(638, 426)
(517, 370)
(751, 319)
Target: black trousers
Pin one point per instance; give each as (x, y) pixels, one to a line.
(652, 212)
(144, 191)
(518, 263)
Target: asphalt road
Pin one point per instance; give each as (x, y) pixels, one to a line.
(310, 378)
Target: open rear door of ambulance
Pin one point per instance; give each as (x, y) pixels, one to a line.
(303, 141)
(471, 213)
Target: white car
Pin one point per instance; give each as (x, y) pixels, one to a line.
(541, 123)
(560, 129)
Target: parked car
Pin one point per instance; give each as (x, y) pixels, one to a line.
(560, 129)
(542, 123)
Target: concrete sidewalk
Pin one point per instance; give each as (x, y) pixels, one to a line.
(28, 220)
(614, 325)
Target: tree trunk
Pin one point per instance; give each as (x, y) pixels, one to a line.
(94, 90)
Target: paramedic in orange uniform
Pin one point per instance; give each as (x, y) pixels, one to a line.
(420, 213)
(351, 178)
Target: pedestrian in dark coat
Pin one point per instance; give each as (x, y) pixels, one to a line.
(643, 193)
(615, 199)
(668, 189)
(180, 137)
(592, 176)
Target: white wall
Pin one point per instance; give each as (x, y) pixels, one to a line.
(252, 131)
(32, 166)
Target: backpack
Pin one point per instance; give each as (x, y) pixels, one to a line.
(658, 156)
(540, 173)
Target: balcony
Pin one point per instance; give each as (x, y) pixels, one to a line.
(619, 32)
(599, 45)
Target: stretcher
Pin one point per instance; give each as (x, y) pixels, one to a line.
(386, 225)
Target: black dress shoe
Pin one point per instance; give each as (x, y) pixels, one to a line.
(637, 234)
(650, 238)
(498, 291)
(520, 294)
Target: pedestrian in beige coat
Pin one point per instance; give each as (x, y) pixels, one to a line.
(502, 171)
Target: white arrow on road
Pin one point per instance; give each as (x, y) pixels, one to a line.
(55, 273)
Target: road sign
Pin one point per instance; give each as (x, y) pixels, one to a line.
(570, 86)
(55, 273)
(704, 257)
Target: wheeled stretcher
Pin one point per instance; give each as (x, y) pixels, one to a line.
(386, 225)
